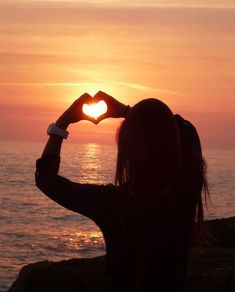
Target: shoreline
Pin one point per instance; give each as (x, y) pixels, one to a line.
(211, 268)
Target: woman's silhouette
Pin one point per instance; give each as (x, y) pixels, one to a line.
(148, 216)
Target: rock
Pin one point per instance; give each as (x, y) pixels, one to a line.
(221, 232)
(211, 268)
(66, 276)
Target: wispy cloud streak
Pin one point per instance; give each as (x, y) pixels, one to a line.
(144, 87)
(54, 84)
(75, 84)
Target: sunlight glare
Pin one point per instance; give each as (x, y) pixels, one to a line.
(95, 110)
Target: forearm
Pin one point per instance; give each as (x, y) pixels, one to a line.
(47, 167)
(53, 146)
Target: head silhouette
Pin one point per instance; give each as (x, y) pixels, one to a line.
(149, 148)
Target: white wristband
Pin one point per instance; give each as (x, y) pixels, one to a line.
(54, 130)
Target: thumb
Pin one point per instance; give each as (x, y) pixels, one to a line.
(102, 117)
(88, 118)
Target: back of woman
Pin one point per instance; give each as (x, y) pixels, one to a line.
(160, 175)
(147, 251)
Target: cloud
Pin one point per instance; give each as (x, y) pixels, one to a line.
(136, 86)
(43, 84)
(144, 87)
(134, 3)
(69, 13)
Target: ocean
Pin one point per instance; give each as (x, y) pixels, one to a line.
(34, 228)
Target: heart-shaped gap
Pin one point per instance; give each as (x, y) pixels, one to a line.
(95, 110)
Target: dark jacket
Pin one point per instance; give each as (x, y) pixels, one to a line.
(146, 251)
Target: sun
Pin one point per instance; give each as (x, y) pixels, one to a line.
(95, 110)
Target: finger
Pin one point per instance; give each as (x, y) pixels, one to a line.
(102, 117)
(96, 122)
(84, 98)
(90, 119)
(86, 95)
(100, 95)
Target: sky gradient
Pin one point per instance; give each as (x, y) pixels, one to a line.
(182, 52)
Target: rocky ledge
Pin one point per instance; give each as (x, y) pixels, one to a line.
(211, 268)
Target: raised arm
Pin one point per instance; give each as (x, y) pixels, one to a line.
(73, 114)
(86, 199)
(90, 200)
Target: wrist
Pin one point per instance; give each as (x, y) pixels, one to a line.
(62, 123)
(57, 130)
(125, 111)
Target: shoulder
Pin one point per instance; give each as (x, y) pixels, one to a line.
(187, 129)
(109, 194)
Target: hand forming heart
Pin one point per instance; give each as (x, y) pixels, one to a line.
(103, 106)
(94, 109)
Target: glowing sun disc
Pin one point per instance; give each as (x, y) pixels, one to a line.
(95, 110)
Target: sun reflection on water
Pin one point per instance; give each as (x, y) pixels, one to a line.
(84, 240)
(91, 163)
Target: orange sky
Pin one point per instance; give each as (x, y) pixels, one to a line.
(182, 52)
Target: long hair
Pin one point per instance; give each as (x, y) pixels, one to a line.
(149, 147)
(150, 152)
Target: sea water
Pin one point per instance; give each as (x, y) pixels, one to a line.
(34, 228)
